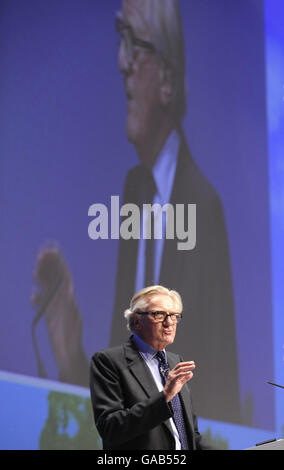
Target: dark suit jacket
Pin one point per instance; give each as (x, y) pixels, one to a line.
(203, 278)
(130, 413)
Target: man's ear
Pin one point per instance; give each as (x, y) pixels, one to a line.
(166, 86)
(137, 322)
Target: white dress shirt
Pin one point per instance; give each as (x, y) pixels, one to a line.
(163, 173)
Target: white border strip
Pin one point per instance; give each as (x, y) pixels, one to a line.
(44, 383)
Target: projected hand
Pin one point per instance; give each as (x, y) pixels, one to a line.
(55, 295)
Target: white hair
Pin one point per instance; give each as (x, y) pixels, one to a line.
(140, 302)
(164, 22)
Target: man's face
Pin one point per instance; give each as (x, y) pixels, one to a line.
(157, 334)
(141, 79)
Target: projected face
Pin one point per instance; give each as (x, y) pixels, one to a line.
(158, 334)
(139, 66)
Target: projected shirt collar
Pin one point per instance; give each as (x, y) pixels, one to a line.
(164, 174)
(165, 167)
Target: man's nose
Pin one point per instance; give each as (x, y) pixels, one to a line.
(168, 320)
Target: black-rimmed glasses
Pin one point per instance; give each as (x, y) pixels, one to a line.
(160, 316)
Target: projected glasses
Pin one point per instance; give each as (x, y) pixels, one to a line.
(130, 42)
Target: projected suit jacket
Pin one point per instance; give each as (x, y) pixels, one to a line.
(203, 278)
(130, 413)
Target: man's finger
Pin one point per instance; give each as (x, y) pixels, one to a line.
(182, 366)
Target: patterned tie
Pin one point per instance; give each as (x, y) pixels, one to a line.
(175, 402)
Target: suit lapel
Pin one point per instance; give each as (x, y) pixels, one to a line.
(141, 372)
(139, 369)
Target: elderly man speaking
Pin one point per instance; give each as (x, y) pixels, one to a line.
(140, 393)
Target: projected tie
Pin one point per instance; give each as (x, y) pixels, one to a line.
(148, 190)
(175, 402)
